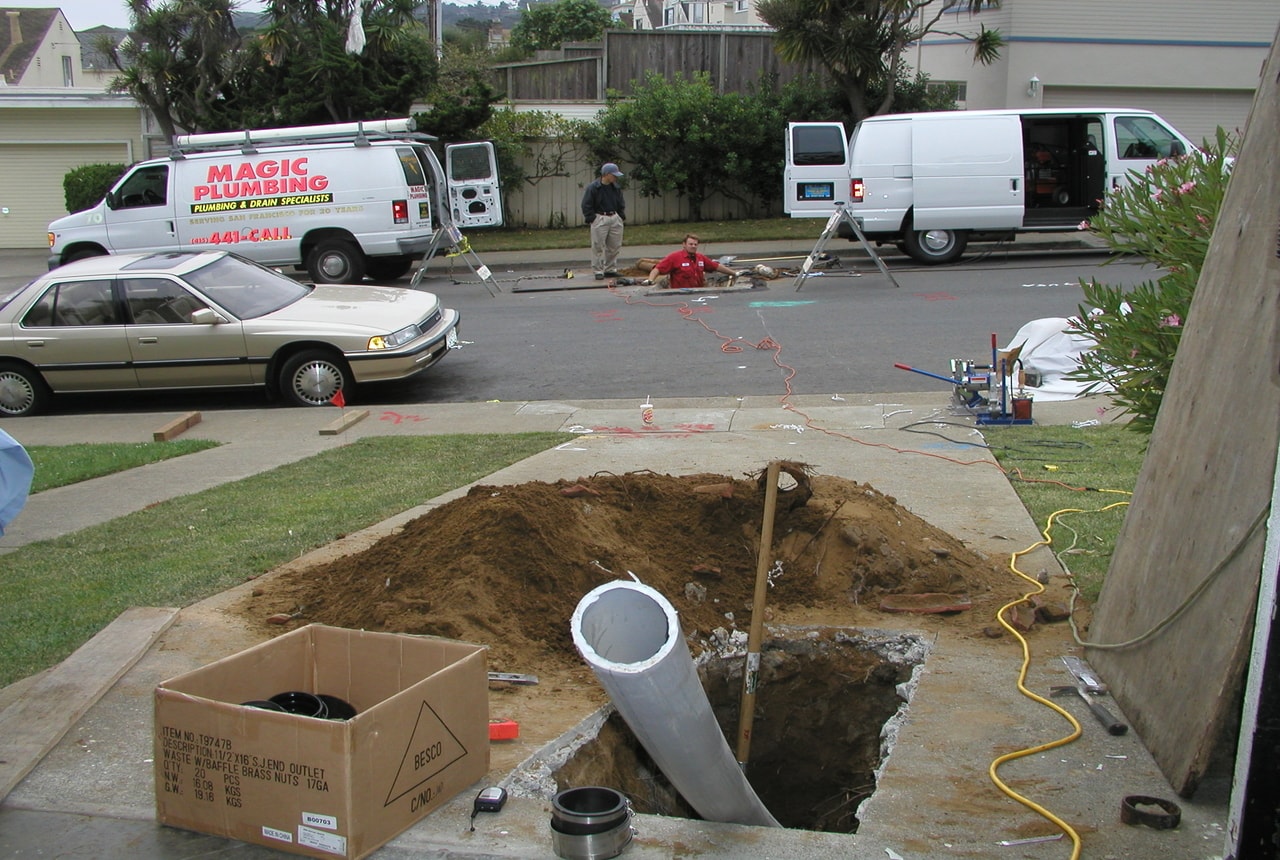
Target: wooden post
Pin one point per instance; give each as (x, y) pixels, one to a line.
(751, 675)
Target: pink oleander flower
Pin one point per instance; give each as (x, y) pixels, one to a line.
(1133, 353)
(1083, 225)
(1186, 187)
(1203, 220)
(1171, 320)
(1159, 194)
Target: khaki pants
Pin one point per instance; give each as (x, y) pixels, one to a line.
(606, 242)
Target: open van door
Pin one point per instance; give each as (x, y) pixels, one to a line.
(816, 176)
(474, 198)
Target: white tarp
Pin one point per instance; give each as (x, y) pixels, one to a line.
(1050, 350)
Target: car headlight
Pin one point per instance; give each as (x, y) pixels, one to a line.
(395, 339)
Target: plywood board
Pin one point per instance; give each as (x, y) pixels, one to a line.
(1193, 534)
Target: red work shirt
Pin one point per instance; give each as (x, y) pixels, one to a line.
(688, 272)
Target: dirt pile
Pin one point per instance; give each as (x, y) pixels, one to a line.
(505, 566)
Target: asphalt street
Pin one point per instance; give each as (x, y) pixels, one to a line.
(532, 334)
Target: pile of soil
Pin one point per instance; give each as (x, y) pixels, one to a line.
(505, 566)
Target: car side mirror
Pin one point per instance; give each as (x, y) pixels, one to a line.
(112, 201)
(207, 316)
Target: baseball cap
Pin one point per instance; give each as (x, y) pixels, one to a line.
(611, 168)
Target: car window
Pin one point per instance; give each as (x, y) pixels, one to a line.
(159, 301)
(1144, 137)
(245, 288)
(74, 303)
(147, 186)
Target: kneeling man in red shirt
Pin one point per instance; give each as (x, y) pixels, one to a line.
(687, 269)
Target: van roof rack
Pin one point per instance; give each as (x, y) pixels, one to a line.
(249, 140)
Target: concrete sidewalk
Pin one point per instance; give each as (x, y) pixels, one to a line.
(92, 795)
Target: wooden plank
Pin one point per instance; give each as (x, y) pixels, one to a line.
(347, 420)
(1191, 534)
(32, 726)
(176, 427)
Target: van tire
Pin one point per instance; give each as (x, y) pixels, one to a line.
(389, 268)
(935, 247)
(22, 390)
(82, 254)
(336, 261)
(312, 377)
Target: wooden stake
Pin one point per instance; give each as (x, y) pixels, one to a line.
(751, 676)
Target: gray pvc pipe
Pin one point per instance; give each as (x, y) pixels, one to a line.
(630, 636)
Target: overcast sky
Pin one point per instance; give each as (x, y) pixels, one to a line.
(84, 14)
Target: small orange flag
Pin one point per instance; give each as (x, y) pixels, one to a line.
(338, 400)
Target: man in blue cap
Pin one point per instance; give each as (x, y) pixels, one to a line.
(605, 211)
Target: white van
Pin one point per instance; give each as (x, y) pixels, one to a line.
(929, 182)
(342, 201)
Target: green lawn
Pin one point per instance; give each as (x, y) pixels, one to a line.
(59, 593)
(1085, 473)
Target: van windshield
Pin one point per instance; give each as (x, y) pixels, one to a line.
(245, 288)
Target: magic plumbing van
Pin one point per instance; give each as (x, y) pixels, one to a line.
(929, 182)
(342, 201)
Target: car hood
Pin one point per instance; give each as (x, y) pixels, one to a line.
(380, 309)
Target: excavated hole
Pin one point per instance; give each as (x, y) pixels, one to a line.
(816, 749)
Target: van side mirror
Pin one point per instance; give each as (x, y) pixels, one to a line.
(112, 201)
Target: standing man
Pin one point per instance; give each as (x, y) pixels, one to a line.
(686, 268)
(605, 211)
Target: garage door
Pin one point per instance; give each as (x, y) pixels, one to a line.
(1195, 113)
(31, 185)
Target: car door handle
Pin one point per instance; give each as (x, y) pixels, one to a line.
(148, 340)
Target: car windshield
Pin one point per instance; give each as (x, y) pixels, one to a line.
(245, 288)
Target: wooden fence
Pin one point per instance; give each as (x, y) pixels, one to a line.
(558, 173)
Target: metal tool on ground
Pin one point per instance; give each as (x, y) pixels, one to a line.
(838, 217)
(1110, 723)
(512, 678)
(456, 245)
(1085, 675)
(751, 677)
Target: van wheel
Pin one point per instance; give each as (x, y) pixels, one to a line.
(389, 268)
(336, 261)
(22, 390)
(83, 254)
(934, 247)
(313, 377)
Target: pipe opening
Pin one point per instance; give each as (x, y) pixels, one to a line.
(625, 626)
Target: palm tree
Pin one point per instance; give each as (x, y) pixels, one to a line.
(861, 42)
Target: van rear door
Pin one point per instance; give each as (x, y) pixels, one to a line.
(816, 176)
(471, 171)
(968, 172)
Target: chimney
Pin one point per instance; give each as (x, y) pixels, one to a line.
(15, 29)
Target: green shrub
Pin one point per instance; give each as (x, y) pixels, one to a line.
(1166, 215)
(84, 186)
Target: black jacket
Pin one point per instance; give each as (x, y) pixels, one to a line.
(600, 197)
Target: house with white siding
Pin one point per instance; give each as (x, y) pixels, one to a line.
(54, 116)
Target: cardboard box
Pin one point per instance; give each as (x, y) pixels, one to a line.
(322, 788)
